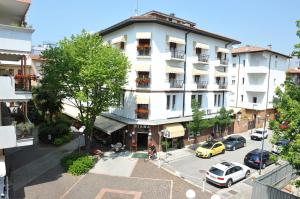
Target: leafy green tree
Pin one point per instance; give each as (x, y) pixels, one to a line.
(223, 119)
(297, 46)
(199, 123)
(89, 74)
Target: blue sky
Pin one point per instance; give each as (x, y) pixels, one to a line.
(255, 22)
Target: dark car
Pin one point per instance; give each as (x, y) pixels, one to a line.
(234, 142)
(279, 145)
(252, 159)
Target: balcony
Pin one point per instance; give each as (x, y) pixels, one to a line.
(14, 90)
(202, 59)
(175, 55)
(143, 82)
(202, 84)
(15, 39)
(176, 83)
(262, 88)
(222, 85)
(142, 113)
(143, 51)
(223, 61)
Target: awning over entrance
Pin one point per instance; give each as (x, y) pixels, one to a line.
(201, 45)
(223, 50)
(143, 35)
(175, 40)
(174, 130)
(119, 39)
(108, 125)
(11, 56)
(2, 166)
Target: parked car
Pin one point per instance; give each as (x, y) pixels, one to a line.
(227, 173)
(278, 146)
(234, 142)
(259, 134)
(253, 159)
(2, 187)
(210, 148)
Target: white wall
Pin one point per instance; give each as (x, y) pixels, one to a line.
(8, 93)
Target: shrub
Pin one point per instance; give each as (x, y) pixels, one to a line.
(78, 164)
(58, 141)
(164, 145)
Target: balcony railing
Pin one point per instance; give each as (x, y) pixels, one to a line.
(222, 85)
(23, 82)
(177, 54)
(203, 57)
(143, 82)
(176, 83)
(142, 113)
(202, 84)
(223, 61)
(144, 51)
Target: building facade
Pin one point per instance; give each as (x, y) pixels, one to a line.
(256, 72)
(172, 62)
(15, 48)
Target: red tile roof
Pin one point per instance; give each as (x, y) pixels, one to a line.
(294, 70)
(253, 49)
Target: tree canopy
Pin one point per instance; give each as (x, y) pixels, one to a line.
(297, 46)
(89, 74)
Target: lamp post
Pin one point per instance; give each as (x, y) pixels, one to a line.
(265, 120)
(159, 147)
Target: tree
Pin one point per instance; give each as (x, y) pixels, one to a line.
(223, 119)
(198, 123)
(89, 74)
(297, 46)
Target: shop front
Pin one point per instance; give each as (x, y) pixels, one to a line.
(173, 135)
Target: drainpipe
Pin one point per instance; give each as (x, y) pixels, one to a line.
(184, 72)
(238, 81)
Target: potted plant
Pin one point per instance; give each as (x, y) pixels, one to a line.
(25, 128)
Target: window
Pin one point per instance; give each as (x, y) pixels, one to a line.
(199, 101)
(198, 51)
(215, 100)
(242, 98)
(173, 101)
(254, 99)
(233, 82)
(122, 45)
(193, 97)
(234, 65)
(143, 47)
(243, 81)
(172, 46)
(197, 78)
(233, 55)
(244, 62)
(168, 102)
(219, 100)
(172, 76)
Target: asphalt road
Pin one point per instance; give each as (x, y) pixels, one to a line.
(193, 168)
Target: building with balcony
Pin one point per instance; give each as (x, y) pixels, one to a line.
(15, 75)
(254, 70)
(172, 62)
(294, 74)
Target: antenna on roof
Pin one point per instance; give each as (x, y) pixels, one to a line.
(137, 8)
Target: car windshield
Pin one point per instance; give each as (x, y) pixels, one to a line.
(216, 171)
(230, 139)
(258, 132)
(207, 145)
(282, 143)
(253, 156)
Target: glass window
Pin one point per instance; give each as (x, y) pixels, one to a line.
(216, 171)
(173, 101)
(199, 101)
(168, 102)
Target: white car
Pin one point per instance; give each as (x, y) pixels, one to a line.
(259, 134)
(227, 173)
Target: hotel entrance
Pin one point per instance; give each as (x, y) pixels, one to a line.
(142, 141)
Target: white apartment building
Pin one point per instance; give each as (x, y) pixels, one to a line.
(251, 76)
(172, 62)
(15, 47)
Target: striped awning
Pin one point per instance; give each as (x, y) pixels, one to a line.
(143, 67)
(220, 74)
(12, 56)
(139, 99)
(171, 69)
(201, 45)
(119, 39)
(143, 35)
(173, 130)
(223, 50)
(199, 72)
(175, 40)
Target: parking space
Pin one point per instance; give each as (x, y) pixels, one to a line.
(193, 168)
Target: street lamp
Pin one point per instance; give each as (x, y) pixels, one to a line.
(253, 116)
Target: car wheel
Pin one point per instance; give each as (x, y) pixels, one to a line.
(223, 151)
(263, 166)
(209, 155)
(233, 148)
(229, 183)
(247, 174)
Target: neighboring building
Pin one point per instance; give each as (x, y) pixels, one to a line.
(250, 76)
(294, 73)
(15, 48)
(172, 62)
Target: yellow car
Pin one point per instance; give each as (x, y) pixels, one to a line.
(210, 148)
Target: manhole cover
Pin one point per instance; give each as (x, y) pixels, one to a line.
(232, 192)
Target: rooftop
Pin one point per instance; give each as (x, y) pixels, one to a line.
(294, 70)
(167, 20)
(254, 49)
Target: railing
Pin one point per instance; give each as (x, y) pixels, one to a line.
(142, 113)
(203, 57)
(176, 83)
(202, 84)
(144, 51)
(222, 85)
(177, 54)
(223, 61)
(23, 82)
(143, 82)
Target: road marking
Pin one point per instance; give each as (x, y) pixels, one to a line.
(68, 191)
(171, 190)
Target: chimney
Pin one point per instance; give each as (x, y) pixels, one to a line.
(270, 46)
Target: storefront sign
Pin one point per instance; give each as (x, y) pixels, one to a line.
(166, 134)
(142, 126)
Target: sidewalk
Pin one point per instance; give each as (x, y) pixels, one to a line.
(25, 174)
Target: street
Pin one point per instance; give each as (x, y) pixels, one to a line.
(193, 168)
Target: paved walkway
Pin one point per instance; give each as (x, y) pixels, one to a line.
(27, 173)
(115, 164)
